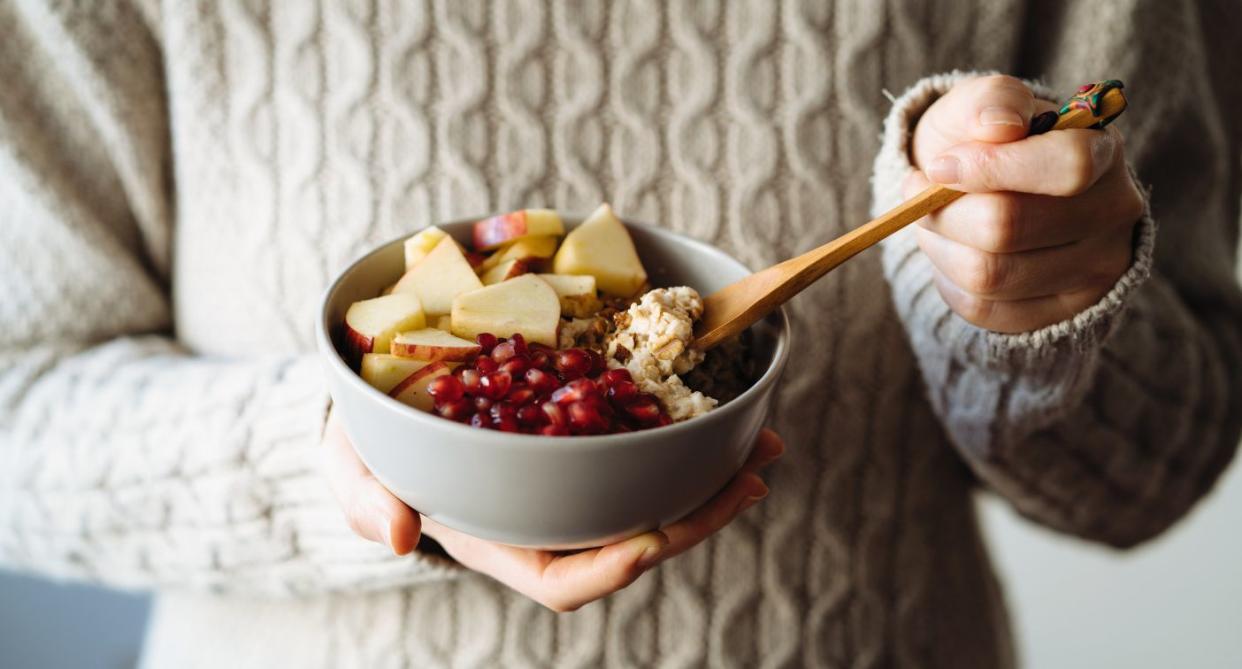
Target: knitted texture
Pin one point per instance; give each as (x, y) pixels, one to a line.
(178, 182)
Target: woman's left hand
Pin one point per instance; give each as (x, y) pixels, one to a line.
(1046, 229)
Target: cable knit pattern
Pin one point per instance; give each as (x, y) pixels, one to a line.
(178, 182)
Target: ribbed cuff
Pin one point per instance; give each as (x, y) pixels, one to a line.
(909, 271)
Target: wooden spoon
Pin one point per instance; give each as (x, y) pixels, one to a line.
(735, 307)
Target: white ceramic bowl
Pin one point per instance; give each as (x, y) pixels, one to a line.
(552, 492)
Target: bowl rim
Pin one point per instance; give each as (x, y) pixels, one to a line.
(535, 442)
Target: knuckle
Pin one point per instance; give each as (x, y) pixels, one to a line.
(1001, 81)
(559, 606)
(983, 164)
(1000, 234)
(1079, 169)
(1132, 207)
(975, 310)
(983, 273)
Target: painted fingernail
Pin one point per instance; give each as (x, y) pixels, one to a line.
(649, 556)
(1000, 116)
(944, 170)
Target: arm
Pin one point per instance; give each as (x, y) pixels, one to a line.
(125, 459)
(1112, 423)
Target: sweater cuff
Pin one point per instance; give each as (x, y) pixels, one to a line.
(909, 271)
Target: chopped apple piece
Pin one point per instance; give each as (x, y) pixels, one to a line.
(439, 277)
(576, 293)
(475, 259)
(602, 247)
(412, 390)
(529, 248)
(526, 304)
(418, 246)
(444, 322)
(431, 344)
(490, 233)
(388, 290)
(504, 271)
(383, 371)
(371, 324)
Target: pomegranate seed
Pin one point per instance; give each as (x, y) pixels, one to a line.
(482, 403)
(530, 414)
(598, 364)
(496, 385)
(575, 391)
(520, 394)
(481, 420)
(508, 424)
(446, 388)
(573, 363)
(556, 415)
(644, 410)
(503, 410)
(458, 410)
(623, 392)
(515, 366)
(540, 381)
(585, 417)
(620, 428)
(553, 431)
(665, 419)
(487, 340)
(503, 351)
(540, 360)
(614, 376)
(485, 365)
(469, 379)
(519, 343)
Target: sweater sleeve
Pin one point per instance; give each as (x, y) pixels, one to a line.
(125, 459)
(1112, 424)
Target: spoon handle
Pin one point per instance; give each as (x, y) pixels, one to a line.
(735, 307)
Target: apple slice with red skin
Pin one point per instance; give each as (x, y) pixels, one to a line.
(505, 271)
(490, 233)
(371, 324)
(530, 249)
(383, 371)
(439, 277)
(525, 304)
(412, 390)
(431, 345)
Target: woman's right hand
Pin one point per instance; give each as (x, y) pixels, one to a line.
(561, 582)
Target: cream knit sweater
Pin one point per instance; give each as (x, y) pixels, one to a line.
(178, 183)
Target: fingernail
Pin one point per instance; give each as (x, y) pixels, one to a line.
(944, 170)
(1000, 116)
(753, 499)
(649, 556)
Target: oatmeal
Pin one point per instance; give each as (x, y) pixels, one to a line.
(652, 341)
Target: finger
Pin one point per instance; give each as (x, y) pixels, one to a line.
(1013, 222)
(372, 512)
(986, 109)
(561, 583)
(1016, 316)
(769, 447)
(1062, 163)
(1084, 265)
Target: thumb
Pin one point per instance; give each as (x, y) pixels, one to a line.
(994, 109)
